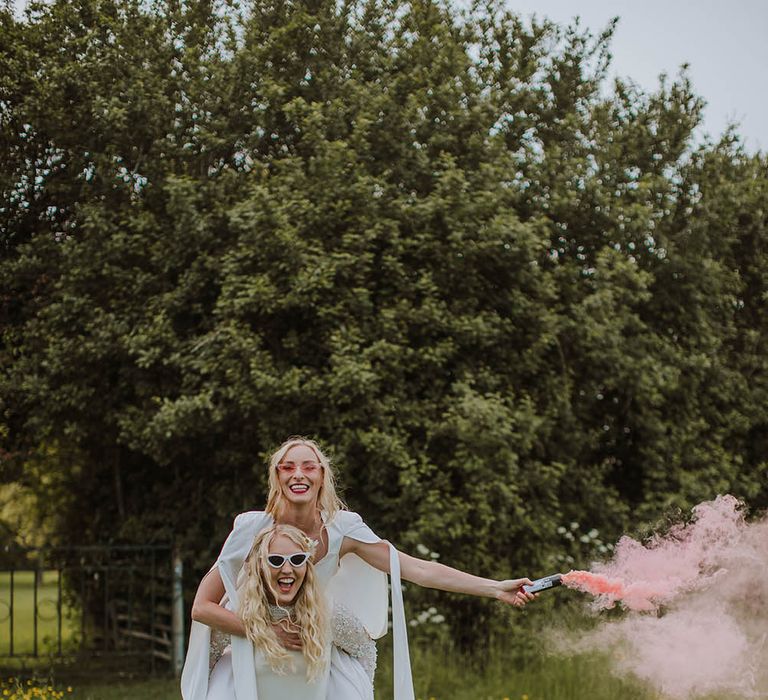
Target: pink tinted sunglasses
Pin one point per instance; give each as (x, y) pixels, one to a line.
(306, 468)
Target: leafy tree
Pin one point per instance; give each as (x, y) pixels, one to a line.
(503, 299)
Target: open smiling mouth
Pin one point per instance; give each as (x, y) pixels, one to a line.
(299, 488)
(285, 583)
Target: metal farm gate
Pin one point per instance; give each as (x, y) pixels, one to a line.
(93, 605)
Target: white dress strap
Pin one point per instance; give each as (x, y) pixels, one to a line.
(194, 677)
(403, 685)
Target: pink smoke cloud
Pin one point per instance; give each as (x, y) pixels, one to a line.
(696, 602)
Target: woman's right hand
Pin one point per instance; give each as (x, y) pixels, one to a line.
(511, 591)
(290, 639)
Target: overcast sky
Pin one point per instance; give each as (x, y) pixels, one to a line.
(724, 41)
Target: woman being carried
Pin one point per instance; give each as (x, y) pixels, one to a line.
(348, 563)
(279, 587)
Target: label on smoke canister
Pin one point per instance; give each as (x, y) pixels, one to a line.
(542, 584)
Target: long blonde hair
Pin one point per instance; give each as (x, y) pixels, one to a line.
(309, 616)
(327, 500)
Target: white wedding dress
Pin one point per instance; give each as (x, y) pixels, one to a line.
(358, 593)
(221, 685)
(349, 675)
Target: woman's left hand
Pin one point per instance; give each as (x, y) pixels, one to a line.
(511, 591)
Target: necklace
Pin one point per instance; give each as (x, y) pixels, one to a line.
(280, 612)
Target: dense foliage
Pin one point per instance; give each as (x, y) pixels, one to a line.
(504, 295)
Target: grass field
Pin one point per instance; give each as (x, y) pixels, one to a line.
(436, 677)
(158, 689)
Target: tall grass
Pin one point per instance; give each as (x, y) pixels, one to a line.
(443, 674)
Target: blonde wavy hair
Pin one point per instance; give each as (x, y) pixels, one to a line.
(309, 616)
(328, 501)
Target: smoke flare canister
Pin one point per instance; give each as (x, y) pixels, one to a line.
(542, 584)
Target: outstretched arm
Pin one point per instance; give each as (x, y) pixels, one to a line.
(431, 574)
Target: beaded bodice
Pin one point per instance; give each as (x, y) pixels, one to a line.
(350, 636)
